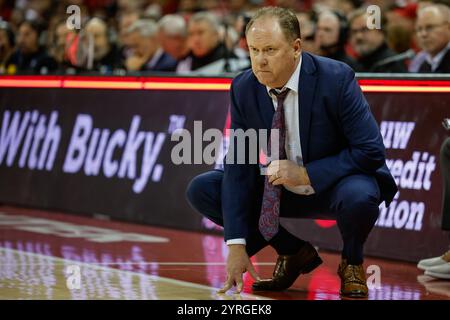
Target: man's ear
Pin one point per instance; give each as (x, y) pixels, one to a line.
(297, 46)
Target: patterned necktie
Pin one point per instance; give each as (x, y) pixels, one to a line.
(269, 219)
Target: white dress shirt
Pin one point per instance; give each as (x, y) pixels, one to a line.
(292, 143)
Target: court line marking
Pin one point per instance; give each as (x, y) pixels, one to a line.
(146, 275)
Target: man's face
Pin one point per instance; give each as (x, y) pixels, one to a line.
(61, 35)
(101, 43)
(27, 39)
(140, 46)
(175, 45)
(433, 31)
(4, 42)
(327, 33)
(273, 57)
(202, 38)
(364, 40)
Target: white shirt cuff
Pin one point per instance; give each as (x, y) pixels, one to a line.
(236, 241)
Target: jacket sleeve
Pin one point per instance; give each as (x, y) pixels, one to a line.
(365, 152)
(239, 179)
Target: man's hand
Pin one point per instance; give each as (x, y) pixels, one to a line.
(287, 173)
(238, 262)
(134, 63)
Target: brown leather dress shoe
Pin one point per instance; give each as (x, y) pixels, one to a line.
(288, 268)
(353, 280)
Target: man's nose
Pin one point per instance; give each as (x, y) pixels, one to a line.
(261, 60)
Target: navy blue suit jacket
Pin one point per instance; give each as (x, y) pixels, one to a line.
(338, 133)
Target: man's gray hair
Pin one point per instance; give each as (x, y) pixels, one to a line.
(173, 25)
(287, 20)
(210, 18)
(145, 28)
(442, 9)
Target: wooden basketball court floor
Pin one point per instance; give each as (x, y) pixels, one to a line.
(50, 255)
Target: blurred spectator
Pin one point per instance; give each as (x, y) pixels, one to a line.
(126, 19)
(107, 56)
(433, 34)
(31, 56)
(374, 55)
(208, 55)
(423, 3)
(63, 37)
(172, 34)
(146, 53)
(307, 29)
(7, 41)
(241, 48)
(331, 37)
(400, 30)
(439, 267)
(207, 37)
(347, 6)
(6, 8)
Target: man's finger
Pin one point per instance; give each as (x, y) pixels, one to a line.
(239, 283)
(252, 271)
(227, 286)
(273, 178)
(278, 181)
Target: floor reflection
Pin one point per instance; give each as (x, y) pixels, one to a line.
(25, 275)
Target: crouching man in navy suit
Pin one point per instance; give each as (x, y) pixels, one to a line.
(331, 160)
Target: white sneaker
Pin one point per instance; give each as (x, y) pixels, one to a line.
(441, 271)
(425, 264)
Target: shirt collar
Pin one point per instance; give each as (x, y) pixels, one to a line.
(434, 62)
(292, 83)
(154, 60)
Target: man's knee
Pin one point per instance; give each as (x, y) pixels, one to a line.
(204, 189)
(359, 195)
(195, 191)
(445, 151)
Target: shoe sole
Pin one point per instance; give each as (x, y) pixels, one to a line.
(437, 275)
(353, 295)
(425, 268)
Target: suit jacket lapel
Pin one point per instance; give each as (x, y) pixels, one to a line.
(307, 88)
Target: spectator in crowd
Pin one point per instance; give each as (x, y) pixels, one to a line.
(241, 50)
(331, 37)
(146, 53)
(374, 55)
(423, 3)
(208, 54)
(308, 29)
(347, 6)
(107, 56)
(433, 35)
(31, 56)
(125, 20)
(172, 34)
(212, 40)
(439, 267)
(59, 43)
(7, 41)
